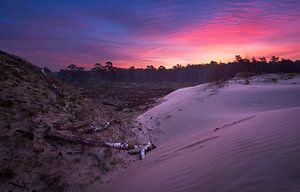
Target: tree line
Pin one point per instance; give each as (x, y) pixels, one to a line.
(191, 73)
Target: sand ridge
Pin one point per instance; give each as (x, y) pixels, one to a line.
(241, 138)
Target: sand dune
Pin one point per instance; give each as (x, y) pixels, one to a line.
(232, 138)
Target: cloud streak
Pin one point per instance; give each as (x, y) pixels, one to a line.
(143, 32)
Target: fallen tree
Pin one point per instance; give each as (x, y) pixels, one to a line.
(123, 146)
(55, 135)
(134, 149)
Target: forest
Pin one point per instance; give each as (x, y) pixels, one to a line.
(191, 73)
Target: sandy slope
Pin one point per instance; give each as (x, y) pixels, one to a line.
(234, 138)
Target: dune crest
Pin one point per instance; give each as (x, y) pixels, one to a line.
(233, 138)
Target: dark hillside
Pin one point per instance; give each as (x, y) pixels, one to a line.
(46, 140)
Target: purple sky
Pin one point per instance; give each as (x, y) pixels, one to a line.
(139, 33)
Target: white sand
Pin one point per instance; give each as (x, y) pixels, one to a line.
(235, 138)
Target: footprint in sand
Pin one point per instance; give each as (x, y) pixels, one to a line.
(233, 123)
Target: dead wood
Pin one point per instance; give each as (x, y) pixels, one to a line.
(124, 146)
(134, 149)
(148, 147)
(55, 135)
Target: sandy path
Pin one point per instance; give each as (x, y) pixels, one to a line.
(236, 138)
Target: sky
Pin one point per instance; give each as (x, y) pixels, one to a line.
(148, 32)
